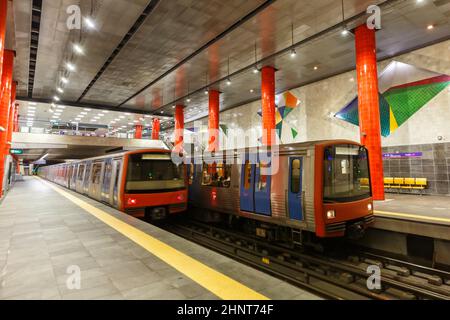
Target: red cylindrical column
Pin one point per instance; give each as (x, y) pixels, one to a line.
(268, 105)
(155, 129)
(179, 127)
(138, 131)
(213, 120)
(12, 108)
(5, 101)
(3, 11)
(368, 105)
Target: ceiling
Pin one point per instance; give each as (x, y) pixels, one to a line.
(147, 55)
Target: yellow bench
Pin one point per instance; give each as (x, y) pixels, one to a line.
(405, 183)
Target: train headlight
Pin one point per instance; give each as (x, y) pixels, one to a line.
(331, 214)
(369, 207)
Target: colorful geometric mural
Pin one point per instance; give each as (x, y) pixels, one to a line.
(285, 104)
(401, 101)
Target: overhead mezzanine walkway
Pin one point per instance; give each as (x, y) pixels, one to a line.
(44, 229)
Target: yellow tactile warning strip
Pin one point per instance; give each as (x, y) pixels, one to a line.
(219, 284)
(412, 216)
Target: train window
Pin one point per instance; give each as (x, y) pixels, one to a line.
(247, 175)
(295, 176)
(95, 178)
(216, 175)
(81, 171)
(262, 181)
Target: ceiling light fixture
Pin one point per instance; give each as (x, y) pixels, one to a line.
(56, 98)
(430, 27)
(70, 66)
(89, 23)
(64, 80)
(228, 77)
(78, 49)
(293, 52)
(60, 90)
(316, 67)
(255, 68)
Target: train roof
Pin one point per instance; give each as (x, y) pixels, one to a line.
(286, 148)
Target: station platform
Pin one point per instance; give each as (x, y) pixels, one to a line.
(423, 215)
(48, 234)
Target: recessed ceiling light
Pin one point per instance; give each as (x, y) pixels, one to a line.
(64, 80)
(89, 23)
(93, 120)
(316, 67)
(97, 118)
(121, 117)
(101, 115)
(105, 111)
(430, 27)
(56, 98)
(32, 103)
(78, 49)
(87, 109)
(130, 123)
(251, 90)
(55, 117)
(83, 112)
(60, 107)
(70, 66)
(162, 111)
(60, 90)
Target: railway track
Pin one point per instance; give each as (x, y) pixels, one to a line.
(331, 277)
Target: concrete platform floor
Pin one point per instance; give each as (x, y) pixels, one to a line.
(433, 209)
(43, 233)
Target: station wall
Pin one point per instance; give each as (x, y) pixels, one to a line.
(415, 89)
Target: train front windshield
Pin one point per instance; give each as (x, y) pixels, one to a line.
(346, 174)
(153, 173)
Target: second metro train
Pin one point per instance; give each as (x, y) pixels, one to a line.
(316, 190)
(143, 183)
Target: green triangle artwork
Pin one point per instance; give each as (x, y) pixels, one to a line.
(400, 101)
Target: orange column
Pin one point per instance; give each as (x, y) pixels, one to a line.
(138, 131)
(179, 127)
(155, 129)
(268, 105)
(12, 108)
(5, 101)
(213, 120)
(368, 105)
(3, 11)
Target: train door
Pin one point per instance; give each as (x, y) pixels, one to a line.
(80, 176)
(86, 179)
(247, 192)
(262, 189)
(95, 181)
(117, 165)
(74, 177)
(69, 177)
(295, 192)
(106, 181)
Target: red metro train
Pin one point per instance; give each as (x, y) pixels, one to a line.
(143, 183)
(316, 190)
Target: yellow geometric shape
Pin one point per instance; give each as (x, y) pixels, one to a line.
(393, 121)
(278, 117)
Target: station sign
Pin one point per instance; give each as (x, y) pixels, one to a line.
(16, 151)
